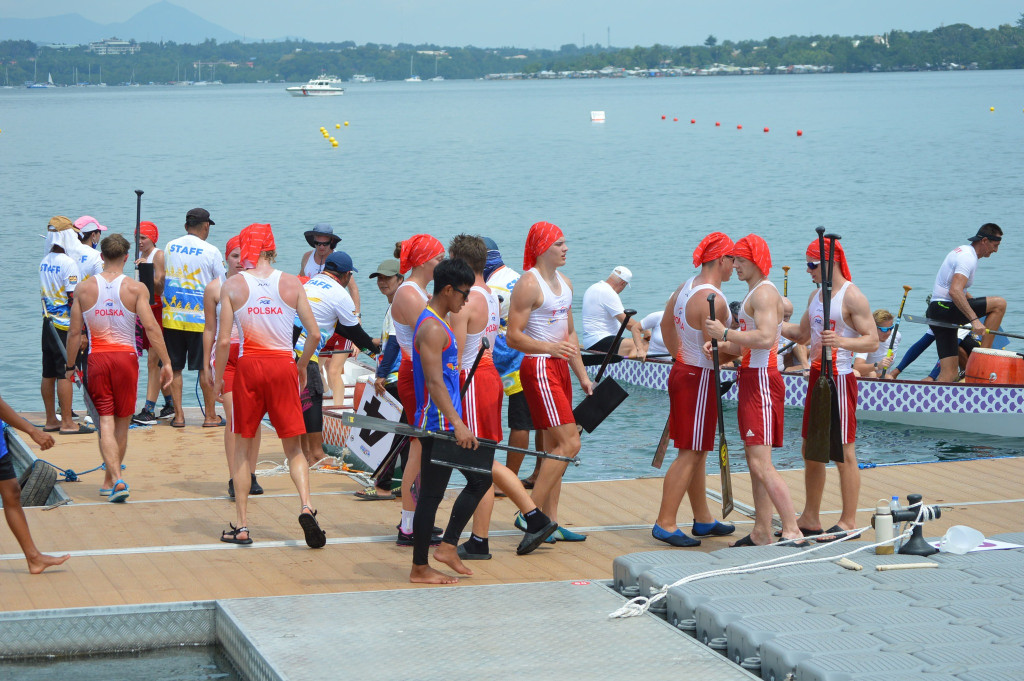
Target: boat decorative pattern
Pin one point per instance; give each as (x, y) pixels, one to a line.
(872, 395)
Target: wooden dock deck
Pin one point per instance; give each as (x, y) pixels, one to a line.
(163, 545)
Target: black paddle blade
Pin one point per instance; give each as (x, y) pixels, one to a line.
(723, 466)
(835, 433)
(595, 408)
(819, 421)
(597, 360)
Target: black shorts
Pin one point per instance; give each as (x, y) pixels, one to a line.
(53, 358)
(184, 346)
(606, 343)
(313, 400)
(519, 412)
(946, 341)
(7, 467)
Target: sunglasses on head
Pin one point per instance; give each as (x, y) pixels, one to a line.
(885, 329)
(813, 265)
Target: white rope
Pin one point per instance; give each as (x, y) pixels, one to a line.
(318, 467)
(641, 604)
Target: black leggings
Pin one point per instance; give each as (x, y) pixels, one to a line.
(433, 481)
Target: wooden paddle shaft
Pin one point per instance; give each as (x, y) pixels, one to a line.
(723, 448)
(906, 566)
(785, 280)
(896, 327)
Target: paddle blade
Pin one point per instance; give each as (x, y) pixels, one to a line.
(723, 466)
(594, 408)
(659, 454)
(819, 422)
(835, 438)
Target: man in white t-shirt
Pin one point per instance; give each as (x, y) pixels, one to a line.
(88, 258)
(952, 303)
(603, 315)
(870, 364)
(190, 264)
(656, 344)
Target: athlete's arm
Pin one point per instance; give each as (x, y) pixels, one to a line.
(669, 333)
(302, 265)
(576, 360)
(353, 290)
(459, 323)
(357, 334)
(16, 420)
(430, 340)
(526, 297)
(210, 297)
(959, 297)
(233, 292)
(159, 272)
(75, 328)
(305, 313)
(801, 333)
(857, 314)
(156, 337)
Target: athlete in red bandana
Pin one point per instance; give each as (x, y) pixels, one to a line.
(417, 250)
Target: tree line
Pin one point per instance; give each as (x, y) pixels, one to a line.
(297, 61)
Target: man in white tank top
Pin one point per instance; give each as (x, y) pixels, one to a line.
(108, 305)
(149, 235)
(540, 326)
(264, 301)
(693, 409)
(480, 318)
(851, 329)
(762, 394)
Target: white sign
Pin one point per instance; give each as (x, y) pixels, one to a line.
(371, 446)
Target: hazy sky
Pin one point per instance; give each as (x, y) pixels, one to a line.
(549, 23)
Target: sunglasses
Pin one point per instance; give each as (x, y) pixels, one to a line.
(885, 329)
(322, 243)
(813, 265)
(465, 294)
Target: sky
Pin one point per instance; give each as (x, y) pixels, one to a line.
(549, 23)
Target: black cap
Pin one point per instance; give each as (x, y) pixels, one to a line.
(197, 216)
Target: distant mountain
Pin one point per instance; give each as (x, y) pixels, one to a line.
(160, 21)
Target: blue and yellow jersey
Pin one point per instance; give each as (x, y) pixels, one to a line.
(428, 416)
(191, 264)
(58, 276)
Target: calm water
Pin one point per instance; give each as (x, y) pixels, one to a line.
(904, 166)
(186, 663)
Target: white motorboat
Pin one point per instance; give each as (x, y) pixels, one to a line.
(322, 85)
(361, 78)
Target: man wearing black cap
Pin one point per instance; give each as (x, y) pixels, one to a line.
(334, 312)
(190, 264)
(952, 303)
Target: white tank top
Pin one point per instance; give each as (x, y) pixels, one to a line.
(758, 358)
(816, 312)
(691, 340)
(265, 322)
(550, 321)
(152, 255)
(110, 324)
(312, 269)
(490, 330)
(403, 332)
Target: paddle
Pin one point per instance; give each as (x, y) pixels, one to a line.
(615, 343)
(723, 448)
(896, 328)
(950, 325)
(835, 439)
(819, 406)
(145, 268)
(607, 394)
(79, 375)
(785, 281)
(659, 453)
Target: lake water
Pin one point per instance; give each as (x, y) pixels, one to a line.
(904, 166)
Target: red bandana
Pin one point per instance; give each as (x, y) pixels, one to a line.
(417, 250)
(814, 255)
(714, 246)
(148, 229)
(755, 249)
(233, 243)
(540, 238)
(255, 239)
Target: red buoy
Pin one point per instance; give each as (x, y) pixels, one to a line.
(766, 129)
(692, 121)
(717, 124)
(799, 133)
(739, 127)
(675, 120)
(663, 117)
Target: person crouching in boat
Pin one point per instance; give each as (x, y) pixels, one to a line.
(693, 410)
(762, 394)
(871, 364)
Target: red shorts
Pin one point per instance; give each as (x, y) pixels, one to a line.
(407, 389)
(481, 405)
(846, 385)
(335, 343)
(693, 407)
(113, 380)
(762, 401)
(229, 370)
(267, 384)
(548, 391)
(158, 312)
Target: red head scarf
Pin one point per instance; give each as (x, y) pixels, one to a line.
(814, 255)
(540, 238)
(233, 243)
(253, 240)
(148, 229)
(755, 249)
(417, 250)
(714, 246)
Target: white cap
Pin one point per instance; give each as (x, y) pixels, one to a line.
(623, 273)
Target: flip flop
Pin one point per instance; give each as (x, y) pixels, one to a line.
(835, 533)
(806, 533)
(215, 425)
(119, 496)
(177, 425)
(801, 543)
(82, 430)
(50, 430)
(315, 537)
(745, 541)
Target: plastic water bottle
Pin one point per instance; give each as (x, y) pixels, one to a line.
(897, 529)
(882, 522)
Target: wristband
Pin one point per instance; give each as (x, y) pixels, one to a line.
(724, 334)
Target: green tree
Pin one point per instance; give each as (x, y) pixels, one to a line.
(711, 41)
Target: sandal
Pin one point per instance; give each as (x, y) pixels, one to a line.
(316, 538)
(372, 493)
(231, 536)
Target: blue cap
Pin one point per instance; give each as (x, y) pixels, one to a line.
(489, 242)
(340, 262)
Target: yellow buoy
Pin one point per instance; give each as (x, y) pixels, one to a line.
(334, 144)
(333, 140)
(337, 126)
(991, 108)
(346, 124)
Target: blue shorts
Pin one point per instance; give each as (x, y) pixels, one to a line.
(6, 461)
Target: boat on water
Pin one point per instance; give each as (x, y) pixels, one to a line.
(413, 78)
(361, 78)
(990, 409)
(321, 86)
(48, 84)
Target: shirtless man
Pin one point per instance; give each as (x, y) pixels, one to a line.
(540, 325)
(762, 394)
(850, 331)
(108, 305)
(481, 406)
(435, 365)
(264, 302)
(693, 410)
(149, 253)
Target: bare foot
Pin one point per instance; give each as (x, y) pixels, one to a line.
(449, 555)
(424, 574)
(43, 561)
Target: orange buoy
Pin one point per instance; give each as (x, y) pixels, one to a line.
(986, 365)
